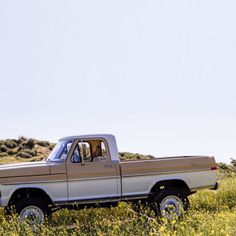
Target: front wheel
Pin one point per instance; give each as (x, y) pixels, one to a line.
(32, 210)
(170, 202)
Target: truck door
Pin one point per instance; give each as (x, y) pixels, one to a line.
(91, 173)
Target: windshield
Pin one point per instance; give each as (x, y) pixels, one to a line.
(60, 151)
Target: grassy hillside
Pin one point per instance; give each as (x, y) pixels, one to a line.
(23, 149)
(211, 212)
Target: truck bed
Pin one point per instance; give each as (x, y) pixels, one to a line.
(196, 171)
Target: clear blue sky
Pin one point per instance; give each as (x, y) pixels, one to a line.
(158, 74)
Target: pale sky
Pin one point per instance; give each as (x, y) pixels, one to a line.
(158, 74)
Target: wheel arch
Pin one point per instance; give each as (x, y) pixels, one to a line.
(29, 192)
(170, 183)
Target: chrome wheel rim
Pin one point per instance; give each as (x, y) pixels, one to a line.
(171, 205)
(33, 215)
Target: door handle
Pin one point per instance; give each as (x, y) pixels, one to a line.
(109, 165)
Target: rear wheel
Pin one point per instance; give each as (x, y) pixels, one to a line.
(170, 202)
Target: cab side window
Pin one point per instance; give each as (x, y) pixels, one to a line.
(81, 152)
(90, 151)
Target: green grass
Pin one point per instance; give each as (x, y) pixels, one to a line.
(211, 213)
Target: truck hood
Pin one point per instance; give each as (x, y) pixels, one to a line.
(25, 169)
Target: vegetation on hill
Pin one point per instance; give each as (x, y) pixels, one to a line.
(134, 156)
(23, 149)
(211, 212)
(226, 170)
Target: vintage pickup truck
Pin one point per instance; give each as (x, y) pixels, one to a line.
(87, 171)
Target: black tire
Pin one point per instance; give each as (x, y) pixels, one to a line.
(169, 201)
(30, 208)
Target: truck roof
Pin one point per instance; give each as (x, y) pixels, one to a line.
(104, 136)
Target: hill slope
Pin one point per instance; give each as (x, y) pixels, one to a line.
(23, 149)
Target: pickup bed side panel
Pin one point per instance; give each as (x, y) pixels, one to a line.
(138, 177)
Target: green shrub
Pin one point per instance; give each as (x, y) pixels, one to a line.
(3, 148)
(222, 199)
(43, 143)
(233, 162)
(30, 143)
(134, 156)
(21, 139)
(225, 171)
(52, 145)
(10, 144)
(20, 147)
(11, 152)
(224, 166)
(30, 152)
(24, 154)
